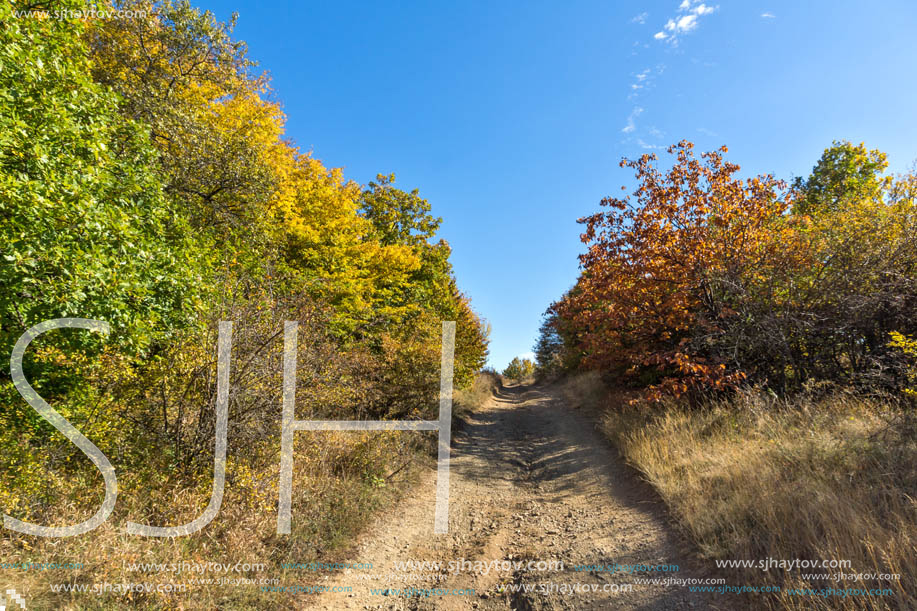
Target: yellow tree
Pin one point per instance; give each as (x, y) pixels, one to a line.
(268, 208)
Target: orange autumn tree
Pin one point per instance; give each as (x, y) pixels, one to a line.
(668, 267)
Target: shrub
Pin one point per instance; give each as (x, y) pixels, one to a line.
(705, 280)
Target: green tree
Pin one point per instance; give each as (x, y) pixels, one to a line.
(178, 71)
(85, 226)
(845, 173)
(549, 348)
(519, 369)
(86, 231)
(401, 218)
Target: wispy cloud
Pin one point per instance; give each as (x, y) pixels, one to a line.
(690, 11)
(640, 81)
(686, 19)
(648, 146)
(769, 15)
(707, 132)
(656, 136)
(632, 120)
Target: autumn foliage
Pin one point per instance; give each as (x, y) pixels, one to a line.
(701, 280)
(146, 180)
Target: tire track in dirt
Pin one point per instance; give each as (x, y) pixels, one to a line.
(531, 479)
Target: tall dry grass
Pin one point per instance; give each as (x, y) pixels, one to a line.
(467, 400)
(754, 478)
(340, 482)
(584, 390)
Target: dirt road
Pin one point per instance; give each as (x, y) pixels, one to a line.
(531, 479)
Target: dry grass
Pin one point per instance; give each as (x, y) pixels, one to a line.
(584, 390)
(474, 397)
(341, 481)
(756, 478)
(333, 501)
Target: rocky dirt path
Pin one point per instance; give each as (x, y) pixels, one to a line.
(531, 479)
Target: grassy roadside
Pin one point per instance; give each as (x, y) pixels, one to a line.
(755, 478)
(340, 484)
(333, 501)
(475, 396)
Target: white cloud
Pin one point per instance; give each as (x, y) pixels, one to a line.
(641, 82)
(641, 18)
(632, 120)
(768, 15)
(527, 355)
(687, 21)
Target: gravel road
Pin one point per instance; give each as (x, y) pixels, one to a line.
(531, 480)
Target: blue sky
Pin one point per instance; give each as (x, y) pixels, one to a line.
(511, 117)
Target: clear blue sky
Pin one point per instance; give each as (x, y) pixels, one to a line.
(511, 117)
